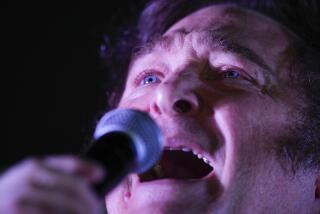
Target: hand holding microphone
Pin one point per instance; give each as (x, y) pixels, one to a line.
(125, 141)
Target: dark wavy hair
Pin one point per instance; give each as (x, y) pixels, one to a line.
(300, 16)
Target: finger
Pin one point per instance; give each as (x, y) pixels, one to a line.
(32, 177)
(64, 185)
(70, 164)
(28, 208)
(36, 201)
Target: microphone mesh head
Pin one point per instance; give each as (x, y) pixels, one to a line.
(141, 128)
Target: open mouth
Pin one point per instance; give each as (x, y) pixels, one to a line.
(178, 164)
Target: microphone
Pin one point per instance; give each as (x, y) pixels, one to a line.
(124, 141)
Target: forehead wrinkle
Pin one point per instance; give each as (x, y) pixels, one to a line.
(163, 43)
(220, 39)
(216, 39)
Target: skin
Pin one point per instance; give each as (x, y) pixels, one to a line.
(57, 184)
(241, 105)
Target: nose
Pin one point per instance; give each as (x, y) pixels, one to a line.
(176, 97)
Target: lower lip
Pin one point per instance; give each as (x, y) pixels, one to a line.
(171, 182)
(171, 189)
(168, 185)
(174, 183)
(209, 176)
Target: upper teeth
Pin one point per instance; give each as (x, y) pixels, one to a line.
(185, 149)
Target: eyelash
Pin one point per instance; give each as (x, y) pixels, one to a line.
(221, 74)
(140, 77)
(241, 74)
(225, 74)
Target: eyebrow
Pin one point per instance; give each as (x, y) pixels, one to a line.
(215, 39)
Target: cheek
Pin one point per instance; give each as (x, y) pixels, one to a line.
(249, 126)
(140, 98)
(257, 118)
(237, 130)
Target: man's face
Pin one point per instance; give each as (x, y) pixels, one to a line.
(216, 85)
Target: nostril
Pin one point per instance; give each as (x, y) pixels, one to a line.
(182, 106)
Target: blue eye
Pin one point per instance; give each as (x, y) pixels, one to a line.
(231, 74)
(150, 79)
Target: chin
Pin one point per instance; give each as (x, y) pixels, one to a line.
(164, 196)
(164, 206)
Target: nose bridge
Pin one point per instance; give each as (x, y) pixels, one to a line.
(177, 94)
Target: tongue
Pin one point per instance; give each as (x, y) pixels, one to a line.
(176, 164)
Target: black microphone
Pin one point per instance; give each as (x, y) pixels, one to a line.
(124, 141)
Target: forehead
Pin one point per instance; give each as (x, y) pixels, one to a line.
(225, 28)
(247, 27)
(227, 15)
(252, 30)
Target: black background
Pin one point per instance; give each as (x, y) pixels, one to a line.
(54, 85)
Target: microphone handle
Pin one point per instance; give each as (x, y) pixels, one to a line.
(115, 152)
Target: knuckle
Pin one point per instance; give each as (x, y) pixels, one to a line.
(32, 164)
(31, 168)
